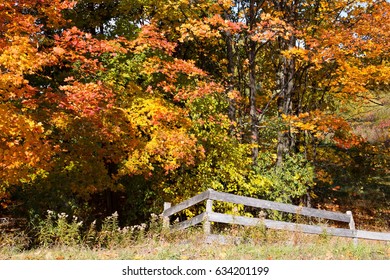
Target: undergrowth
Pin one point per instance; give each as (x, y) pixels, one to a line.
(58, 236)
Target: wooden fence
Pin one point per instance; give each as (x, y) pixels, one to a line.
(210, 216)
(8, 224)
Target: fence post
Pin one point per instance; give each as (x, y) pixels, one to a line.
(352, 227)
(167, 205)
(206, 224)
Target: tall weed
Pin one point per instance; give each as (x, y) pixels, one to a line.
(58, 229)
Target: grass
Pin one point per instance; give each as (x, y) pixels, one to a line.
(190, 245)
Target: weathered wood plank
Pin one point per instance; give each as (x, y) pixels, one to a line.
(373, 235)
(254, 202)
(230, 219)
(209, 209)
(165, 219)
(187, 203)
(341, 232)
(247, 221)
(352, 227)
(188, 223)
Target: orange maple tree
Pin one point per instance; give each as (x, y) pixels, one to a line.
(25, 149)
(35, 105)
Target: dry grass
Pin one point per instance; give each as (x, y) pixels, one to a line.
(190, 245)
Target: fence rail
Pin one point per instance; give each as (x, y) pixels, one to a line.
(210, 216)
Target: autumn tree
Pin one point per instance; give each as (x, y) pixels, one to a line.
(25, 147)
(58, 129)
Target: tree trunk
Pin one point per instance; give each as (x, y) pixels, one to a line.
(252, 103)
(286, 141)
(230, 70)
(254, 133)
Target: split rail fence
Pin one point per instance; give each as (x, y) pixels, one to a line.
(210, 216)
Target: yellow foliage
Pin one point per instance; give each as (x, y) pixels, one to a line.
(23, 148)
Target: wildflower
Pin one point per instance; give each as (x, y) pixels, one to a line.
(62, 215)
